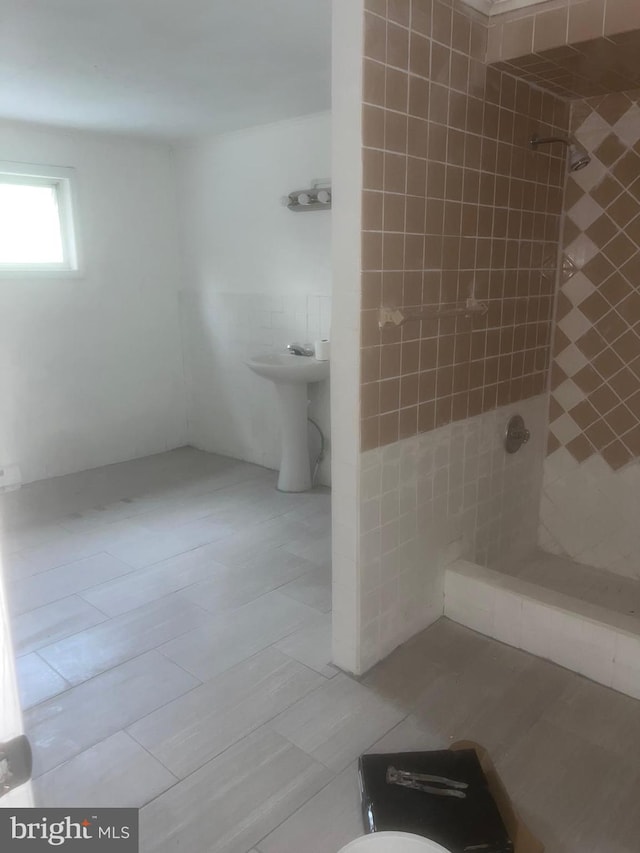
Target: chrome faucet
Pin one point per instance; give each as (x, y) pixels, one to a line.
(300, 349)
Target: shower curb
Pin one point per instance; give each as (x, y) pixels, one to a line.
(591, 640)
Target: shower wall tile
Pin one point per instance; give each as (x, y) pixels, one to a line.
(585, 67)
(595, 386)
(590, 512)
(429, 499)
(454, 205)
(591, 486)
(575, 48)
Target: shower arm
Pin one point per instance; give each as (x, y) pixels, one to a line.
(578, 156)
(544, 140)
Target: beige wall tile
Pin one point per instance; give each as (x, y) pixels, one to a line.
(517, 38)
(586, 21)
(550, 29)
(463, 200)
(621, 16)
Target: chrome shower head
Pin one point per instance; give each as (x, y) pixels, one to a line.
(578, 157)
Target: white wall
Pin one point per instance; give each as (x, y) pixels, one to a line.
(91, 368)
(347, 47)
(258, 277)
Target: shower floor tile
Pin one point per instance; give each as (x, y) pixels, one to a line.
(596, 586)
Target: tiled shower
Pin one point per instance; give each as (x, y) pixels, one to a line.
(456, 204)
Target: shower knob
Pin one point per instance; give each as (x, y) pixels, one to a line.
(516, 435)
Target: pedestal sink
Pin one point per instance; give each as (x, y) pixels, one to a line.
(291, 374)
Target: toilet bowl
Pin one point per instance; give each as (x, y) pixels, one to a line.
(393, 842)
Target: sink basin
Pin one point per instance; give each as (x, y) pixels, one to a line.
(284, 367)
(290, 375)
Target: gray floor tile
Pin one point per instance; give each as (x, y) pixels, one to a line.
(508, 712)
(182, 510)
(110, 643)
(493, 700)
(67, 549)
(225, 499)
(115, 773)
(52, 622)
(145, 585)
(193, 729)
(337, 722)
(251, 543)
(573, 791)
(312, 647)
(116, 491)
(603, 718)
(568, 749)
(325, 823)
(62, 727)
(409, 735)
(312, 589)
(406, 674)
(316, 548)
(279, 563)
(236, 635)
(234, 800)
(37, 681)
(52, 585)
(240, 585)
(29, 536)
(314, 511)
(148, 547)
(92, 519)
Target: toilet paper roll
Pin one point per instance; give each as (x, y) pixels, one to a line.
(322, 350)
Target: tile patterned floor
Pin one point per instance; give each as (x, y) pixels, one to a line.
(172, 622)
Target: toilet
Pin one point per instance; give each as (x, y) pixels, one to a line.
(393, 842)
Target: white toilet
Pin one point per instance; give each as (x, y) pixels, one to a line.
(393, 842)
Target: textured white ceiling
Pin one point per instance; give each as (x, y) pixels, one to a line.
(164, 67)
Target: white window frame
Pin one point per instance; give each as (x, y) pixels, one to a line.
(62, 180)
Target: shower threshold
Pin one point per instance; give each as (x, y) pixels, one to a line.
(584, 619)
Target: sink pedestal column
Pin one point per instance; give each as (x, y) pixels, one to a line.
(295, 468)
(291, 374)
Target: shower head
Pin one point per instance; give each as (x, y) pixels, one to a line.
(578, 157)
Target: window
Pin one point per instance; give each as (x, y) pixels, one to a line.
(36, 219)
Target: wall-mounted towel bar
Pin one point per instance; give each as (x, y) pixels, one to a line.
(395, 316)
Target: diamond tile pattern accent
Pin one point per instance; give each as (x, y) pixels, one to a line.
(597, 342)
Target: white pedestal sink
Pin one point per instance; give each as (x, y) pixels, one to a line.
(291, 374)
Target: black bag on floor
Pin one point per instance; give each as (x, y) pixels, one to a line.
(442, 795)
